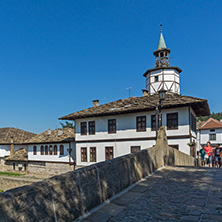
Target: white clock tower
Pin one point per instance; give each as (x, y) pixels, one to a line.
(163, 76)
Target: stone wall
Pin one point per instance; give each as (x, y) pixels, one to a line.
(66, 197)
(7, 183)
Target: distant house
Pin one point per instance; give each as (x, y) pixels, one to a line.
(211, 131)
(12, 140)
(52, 151)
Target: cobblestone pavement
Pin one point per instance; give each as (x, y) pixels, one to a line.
(172, 194)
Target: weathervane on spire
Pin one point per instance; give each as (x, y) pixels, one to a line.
(160, 27)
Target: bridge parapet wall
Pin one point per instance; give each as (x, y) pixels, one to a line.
(68, 196)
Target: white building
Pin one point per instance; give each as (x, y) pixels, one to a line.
(12, 138)
(125, 126)
(211, 131)
(52, 151)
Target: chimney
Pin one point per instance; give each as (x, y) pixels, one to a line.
(49, 132)
(12, 151)
(60, 132)
(95, 103)
(145, 92)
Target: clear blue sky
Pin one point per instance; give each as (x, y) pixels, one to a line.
(57, 56)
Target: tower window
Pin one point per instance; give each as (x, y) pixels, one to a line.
(156, 79)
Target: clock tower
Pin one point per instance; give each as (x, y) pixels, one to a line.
(162, 76)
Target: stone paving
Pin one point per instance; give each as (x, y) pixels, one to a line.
(172, 194)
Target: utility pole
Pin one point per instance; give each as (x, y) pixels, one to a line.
(129, 90)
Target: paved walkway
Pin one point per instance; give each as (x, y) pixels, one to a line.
(172, 194)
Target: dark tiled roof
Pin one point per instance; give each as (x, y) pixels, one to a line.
(211, 124)
(20, 155)
(19, 136)
(140, 104)
(67, 135)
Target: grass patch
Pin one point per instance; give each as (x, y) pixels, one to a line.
(1, 191)
(11, 174)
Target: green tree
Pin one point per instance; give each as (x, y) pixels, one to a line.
(67, 124)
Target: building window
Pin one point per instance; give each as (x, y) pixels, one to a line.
(193, 123)
(141, 123)
(111, 126)
(156, 79)
(153, 122)
(91, 127)
(46, 150)
(84, 154)
(83, 128)
(61, 150)
(175, 146)
(212, 130)
(92, 154)
(34, 150)
(172, 121)
(42, 150)
(109, 152)
(55, 150)
(135, 149)
(50, 150)
(212, 136)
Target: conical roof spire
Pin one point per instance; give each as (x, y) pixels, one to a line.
(161, 44)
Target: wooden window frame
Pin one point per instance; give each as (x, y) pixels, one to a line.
(133, 147)
(83, 154)
(34, 150)
(55, 150)
(109, 152)
(213, 136)
(83, 128)
(92, 154)
(61, 150)
(175, 146)
(171, 119)
(153, 121)
(46, 150)
(92, 127)
(42, 150)
(156, 78)
(111, 126)
(139, 120)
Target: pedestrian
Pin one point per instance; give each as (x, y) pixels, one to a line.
(208, 149)
(201, 154)
(218, 152)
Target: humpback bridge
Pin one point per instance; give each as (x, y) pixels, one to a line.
(177, 190)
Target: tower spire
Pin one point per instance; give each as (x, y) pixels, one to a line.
(161, 43)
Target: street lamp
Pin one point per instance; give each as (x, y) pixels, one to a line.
(162, 94)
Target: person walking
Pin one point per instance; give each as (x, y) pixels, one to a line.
(208, 149)
(218, 152)
(201, 154)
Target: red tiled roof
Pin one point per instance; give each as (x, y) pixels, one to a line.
(211, 124)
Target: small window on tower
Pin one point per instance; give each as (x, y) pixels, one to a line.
(156, 79)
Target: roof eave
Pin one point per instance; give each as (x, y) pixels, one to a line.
(158, 68)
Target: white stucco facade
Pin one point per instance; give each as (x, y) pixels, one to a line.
(65, 158)
(127, 136)
(167, 79)
(5, 149)
(203, 136)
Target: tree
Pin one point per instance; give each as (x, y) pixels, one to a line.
(67, 125)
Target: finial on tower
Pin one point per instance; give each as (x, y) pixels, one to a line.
(160, 28)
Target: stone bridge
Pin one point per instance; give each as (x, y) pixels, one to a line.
(171, 194)
(156, 184)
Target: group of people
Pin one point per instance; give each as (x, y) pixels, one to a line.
(211, 156)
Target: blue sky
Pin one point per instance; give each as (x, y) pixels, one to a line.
(58, 56)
